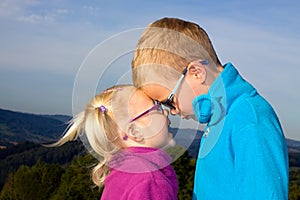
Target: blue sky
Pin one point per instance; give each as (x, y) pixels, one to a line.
(43, 44)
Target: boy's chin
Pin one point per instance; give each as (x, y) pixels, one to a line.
(194, 118)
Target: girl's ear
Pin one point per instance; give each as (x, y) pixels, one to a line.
(134, 133)
(197, 71)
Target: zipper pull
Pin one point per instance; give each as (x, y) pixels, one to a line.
(206, 132)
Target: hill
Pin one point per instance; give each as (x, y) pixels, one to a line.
(16, 127)
(293, 144)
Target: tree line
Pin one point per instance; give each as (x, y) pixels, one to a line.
(51, 181)
(54, 181)
(28, 154)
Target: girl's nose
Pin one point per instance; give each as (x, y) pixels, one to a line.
(166, 113)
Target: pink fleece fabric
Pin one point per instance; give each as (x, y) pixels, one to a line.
(141, 173)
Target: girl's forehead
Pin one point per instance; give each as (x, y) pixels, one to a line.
(138, 103)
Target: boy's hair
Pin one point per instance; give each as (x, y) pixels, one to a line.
(170, 42)
(99, 127)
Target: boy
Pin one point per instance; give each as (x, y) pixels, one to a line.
(243, 153)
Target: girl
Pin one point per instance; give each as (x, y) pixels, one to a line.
(126, 130)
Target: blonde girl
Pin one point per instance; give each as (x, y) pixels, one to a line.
(126, 131)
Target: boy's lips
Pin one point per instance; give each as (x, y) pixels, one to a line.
(188, 117)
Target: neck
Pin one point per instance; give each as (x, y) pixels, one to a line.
(212, 75)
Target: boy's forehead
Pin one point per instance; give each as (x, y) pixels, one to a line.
(156, 74)
(156, 91)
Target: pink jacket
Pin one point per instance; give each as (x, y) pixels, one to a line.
(141, 173)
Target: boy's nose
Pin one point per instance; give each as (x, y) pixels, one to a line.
(174, 111)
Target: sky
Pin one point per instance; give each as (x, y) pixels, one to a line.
(46, 47)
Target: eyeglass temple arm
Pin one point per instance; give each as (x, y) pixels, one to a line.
(203, 62)
(178, 83)
(144, 113)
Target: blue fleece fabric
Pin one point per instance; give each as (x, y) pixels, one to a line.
(243, 153)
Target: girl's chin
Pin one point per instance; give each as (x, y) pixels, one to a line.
(172, 143)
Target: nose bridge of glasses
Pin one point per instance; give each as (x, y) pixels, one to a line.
(169, 103)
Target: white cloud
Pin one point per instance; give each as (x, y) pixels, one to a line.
(55, 36)
(15, 8)
(34, 18)
(31, 11)
(47, 17)
(91, 9)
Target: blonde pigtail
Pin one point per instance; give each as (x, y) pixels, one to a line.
(101, 133)
(100, 172)
(72, 132)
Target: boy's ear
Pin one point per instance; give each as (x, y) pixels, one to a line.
(134, 133)
(197, 71)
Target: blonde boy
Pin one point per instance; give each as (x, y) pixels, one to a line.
(243, 153)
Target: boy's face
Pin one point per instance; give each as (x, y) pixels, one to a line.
(153, 125)
(183, 97)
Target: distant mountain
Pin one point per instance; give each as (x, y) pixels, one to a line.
(16, 127)
(63, 118)
(188, 138)
(293, 144)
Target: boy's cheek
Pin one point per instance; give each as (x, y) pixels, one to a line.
(185, 100)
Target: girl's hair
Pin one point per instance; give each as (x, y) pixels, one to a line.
(170, 42)
(101, 127)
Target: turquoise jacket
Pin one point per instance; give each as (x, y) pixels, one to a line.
(243, 152)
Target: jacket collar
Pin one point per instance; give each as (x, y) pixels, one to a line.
(225, 90)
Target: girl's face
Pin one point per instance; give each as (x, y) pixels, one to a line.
(153, 125)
